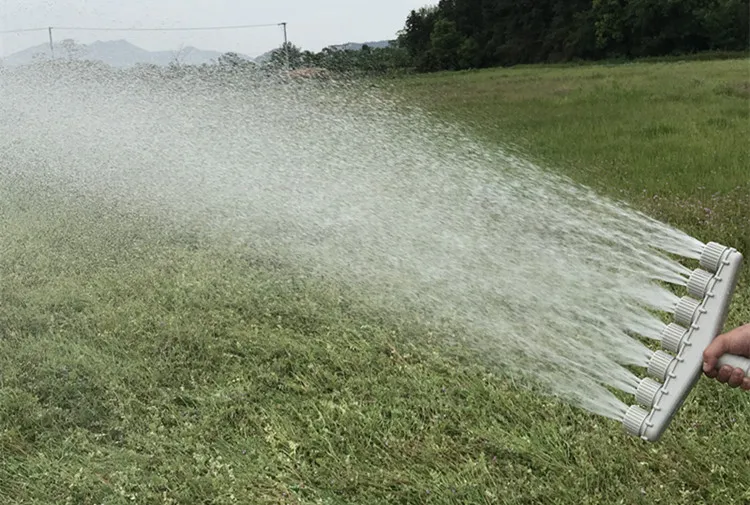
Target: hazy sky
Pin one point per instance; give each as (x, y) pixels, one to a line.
(312, 24)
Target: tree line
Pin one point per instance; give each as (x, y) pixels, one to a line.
(464, 34)
(367, 60)
(461, 34)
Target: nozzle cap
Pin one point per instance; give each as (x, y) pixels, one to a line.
(685, 312)
(658, 365)
(633, 420)
(672, 336)
(698, 283)
(711, 257)
(646, 392)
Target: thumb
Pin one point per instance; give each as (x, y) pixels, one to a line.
(736, 342)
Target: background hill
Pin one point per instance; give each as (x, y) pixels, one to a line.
(117, 53)
(123, 54)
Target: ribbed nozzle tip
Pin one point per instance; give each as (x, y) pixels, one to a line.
(686, 310)
(658, 365)
(646, 392)
(697, 285)
(711, 257)
(672, 336)
(634, 419)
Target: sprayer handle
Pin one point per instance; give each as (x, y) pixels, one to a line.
(735, 361)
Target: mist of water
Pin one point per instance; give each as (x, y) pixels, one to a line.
(547, 279)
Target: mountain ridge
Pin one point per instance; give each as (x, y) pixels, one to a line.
(122, 54)
(116, 53)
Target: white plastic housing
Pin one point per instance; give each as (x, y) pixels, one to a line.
(706, 323)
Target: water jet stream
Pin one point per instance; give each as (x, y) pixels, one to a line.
(544, 276)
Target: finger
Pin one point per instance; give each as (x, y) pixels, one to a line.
(712, 373)
(736, 341)
(746, 384)
(724, 373)
(714, 351)
(738, 375)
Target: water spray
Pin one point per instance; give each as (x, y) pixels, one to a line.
(698, 319)
(412, 213)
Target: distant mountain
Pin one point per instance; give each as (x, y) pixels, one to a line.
(27, 55)
(356, 46)
(117, 53)
(123, 54)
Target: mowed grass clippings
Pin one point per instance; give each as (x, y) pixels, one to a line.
(140, 364)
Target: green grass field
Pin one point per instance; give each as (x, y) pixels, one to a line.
(140, 365)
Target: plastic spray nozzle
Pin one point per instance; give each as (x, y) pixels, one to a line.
(699, 318)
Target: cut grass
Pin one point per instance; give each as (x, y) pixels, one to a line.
(140, 365)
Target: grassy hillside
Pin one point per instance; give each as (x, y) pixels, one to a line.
(139, 364)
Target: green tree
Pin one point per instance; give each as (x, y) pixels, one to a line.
(72, 50)
(416, 35)
(233, 60)
(469, 54)
(287, 55)
(728, 22)
(468, 33)
(446, 43)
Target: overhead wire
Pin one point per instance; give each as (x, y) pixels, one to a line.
(24, 30)
(138, 29)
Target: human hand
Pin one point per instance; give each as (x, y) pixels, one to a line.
(736, 342)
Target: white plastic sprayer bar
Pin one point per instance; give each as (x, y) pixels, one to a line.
(697, 323)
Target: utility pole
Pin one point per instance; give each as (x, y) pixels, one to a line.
(286, 46)
(51, 45)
